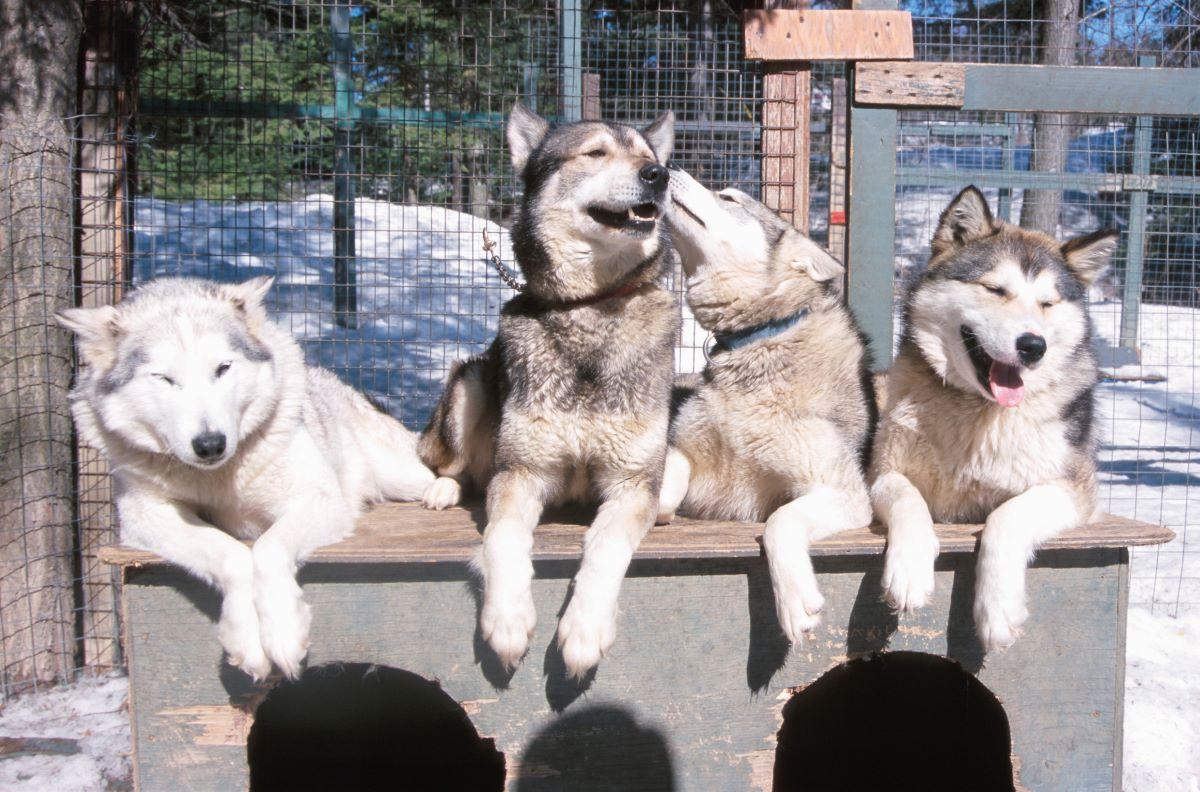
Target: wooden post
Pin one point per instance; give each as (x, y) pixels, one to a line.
(104, 107)
(838, 163)
(591, 96)
(1131, 295)
(871, 220)
(786, 94)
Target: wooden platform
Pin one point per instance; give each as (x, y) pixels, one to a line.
(407, 533)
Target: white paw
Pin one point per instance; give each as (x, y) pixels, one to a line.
(908, 571)
(443, 493)
(585, 634)
(999, 611)
(238, 633)
(798, 603)
(284, 619)
(664, 517)
(507, 625)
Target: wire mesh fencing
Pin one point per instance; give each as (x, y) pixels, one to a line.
(355, 151)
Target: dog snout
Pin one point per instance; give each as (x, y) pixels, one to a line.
(655, 176)
(209, 445)
(1031, 348)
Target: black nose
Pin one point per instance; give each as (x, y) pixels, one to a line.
(209, 445)
(1030, 347)
(654, 175)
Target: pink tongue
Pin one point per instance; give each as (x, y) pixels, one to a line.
(1005, 382)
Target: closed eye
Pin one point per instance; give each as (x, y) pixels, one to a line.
(595, 153)
(1049, 303)
(162, 378)
(221, 369)
(725, 197)
(996, 290)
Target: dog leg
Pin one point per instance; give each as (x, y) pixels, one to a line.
(912, 546)
(319, 517)
(1011, 535)
(178, 535)
(820, 512)
(589, 625)
(676, 475)
(442, 493)
(391, 455)
(507, 619)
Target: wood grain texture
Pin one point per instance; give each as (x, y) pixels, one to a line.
(1027, 88)
(785, 116)
(692, 694)
(827, 35)
(897, 83)
(408, 533)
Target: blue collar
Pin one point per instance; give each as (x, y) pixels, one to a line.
(746, 336)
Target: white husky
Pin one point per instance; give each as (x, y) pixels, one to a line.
(216, 431)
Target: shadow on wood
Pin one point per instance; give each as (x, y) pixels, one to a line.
(598, 749)
(896, 721)
(358, 726)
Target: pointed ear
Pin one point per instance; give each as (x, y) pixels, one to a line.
(966, 219)
(248, 297)
(96, 329)
(525, 131)
(661, 136)
(809, 257)
(1088, 256)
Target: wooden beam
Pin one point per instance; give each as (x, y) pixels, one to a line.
(785, 115)
(408, 533)
(1030, 89)
(899, 83)
(827, 35)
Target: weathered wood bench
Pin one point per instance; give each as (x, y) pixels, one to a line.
(699, 667)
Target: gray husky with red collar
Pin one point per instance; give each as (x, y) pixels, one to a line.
(571, 401)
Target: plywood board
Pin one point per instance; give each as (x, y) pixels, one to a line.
(698, 669)
(408, 533)
(827, 35)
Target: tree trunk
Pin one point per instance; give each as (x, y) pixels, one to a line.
(39, 44)
(1040, 208)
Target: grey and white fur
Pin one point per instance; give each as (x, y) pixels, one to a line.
(778, 426)
(989, 408)
(216, 432)
(571, 400)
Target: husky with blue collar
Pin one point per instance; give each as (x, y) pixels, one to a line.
(778, 427)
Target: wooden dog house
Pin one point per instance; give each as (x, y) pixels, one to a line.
(700, 684)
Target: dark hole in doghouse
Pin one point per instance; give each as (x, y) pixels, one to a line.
(358, 726)
(895, 721)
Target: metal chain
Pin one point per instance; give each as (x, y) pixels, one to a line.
(509, 279)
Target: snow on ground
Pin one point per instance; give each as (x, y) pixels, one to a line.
(93, 713)
(1162, 697)
(428, 296)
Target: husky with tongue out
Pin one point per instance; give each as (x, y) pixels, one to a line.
(989, 408)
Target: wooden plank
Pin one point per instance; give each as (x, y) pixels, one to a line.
(697, 669)
(785, 116)
(1019, 88)
(897, 83)
(871, 224)
(809, 35)
(408, 533)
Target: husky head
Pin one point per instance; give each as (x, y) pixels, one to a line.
(1000, 310)
(594, 192)
(177, 368)
(744, 263)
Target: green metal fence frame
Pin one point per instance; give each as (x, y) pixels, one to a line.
(1142, 91)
